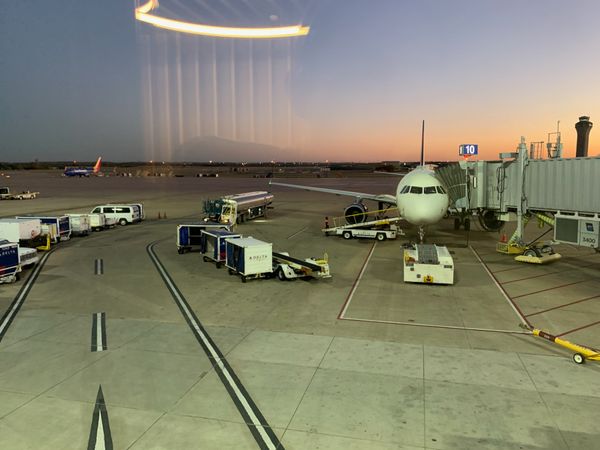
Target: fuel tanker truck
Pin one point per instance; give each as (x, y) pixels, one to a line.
(237, 208)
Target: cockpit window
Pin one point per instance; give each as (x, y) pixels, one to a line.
(441, 190)
(416, 190)
(405, 189)
(430, 190)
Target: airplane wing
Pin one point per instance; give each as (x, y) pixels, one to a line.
(386, 198)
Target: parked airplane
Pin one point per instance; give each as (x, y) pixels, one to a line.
(420, 197)
(83, 171)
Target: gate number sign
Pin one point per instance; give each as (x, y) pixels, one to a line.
(467, 149)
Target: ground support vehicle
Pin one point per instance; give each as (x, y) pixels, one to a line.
(63, 225)
(25, 195)
(237, 208)
(188, 235)
(249, 257)
(25, 230)
(380, 229)
(379, 234)
(80, 224)
(427, 263)
(286, 267)
(213, 246)
(123, 214)
(9, 262)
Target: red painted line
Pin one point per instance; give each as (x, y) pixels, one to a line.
(355, 284)
(562, 306)
(551, 289)
(550, 273)
(580, 328)
(537, 276)
(510, 268)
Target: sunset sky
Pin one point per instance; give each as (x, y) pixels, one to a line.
(82, 79)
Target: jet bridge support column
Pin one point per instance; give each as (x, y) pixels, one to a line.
(522, 160)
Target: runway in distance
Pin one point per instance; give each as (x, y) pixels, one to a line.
(83, 171)
(420, 197)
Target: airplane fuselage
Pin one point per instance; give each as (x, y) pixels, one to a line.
(421, 198)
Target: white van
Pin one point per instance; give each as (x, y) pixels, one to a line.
(123, 214)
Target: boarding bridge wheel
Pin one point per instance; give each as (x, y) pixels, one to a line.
(466, 223)
(532, 252)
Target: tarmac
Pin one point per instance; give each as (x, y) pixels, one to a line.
(186, 356)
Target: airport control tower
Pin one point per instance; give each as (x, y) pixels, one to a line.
(583, 128)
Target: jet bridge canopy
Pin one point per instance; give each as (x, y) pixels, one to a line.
(550, 185)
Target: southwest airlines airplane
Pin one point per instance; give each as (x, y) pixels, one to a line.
(83, 171)
(420, 197)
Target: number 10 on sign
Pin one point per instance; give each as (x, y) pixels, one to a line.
(468, 149)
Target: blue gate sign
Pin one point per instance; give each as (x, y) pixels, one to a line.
(468, 149)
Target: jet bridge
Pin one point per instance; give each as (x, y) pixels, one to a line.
(517, 188)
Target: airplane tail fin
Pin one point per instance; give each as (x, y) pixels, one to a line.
(423, 144)
(97, 166)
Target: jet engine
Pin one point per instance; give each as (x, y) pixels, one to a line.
(489, 221)
(356, 213)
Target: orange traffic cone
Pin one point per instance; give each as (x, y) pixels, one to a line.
(503, 238)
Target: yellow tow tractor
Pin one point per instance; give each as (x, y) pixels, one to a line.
(581, 353)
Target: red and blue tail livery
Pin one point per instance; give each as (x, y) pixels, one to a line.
(71, 171)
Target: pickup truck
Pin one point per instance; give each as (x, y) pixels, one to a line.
(25, 195)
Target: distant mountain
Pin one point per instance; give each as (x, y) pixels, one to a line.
(212, 148)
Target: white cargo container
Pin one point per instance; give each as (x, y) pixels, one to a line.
(97, 221)
(80, 224)
(427, 263)
(249, 257)
(19, 230)
(28, 256)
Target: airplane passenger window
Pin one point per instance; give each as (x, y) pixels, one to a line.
(405, 189)
(430, 190)
(416, 190)
(441, 190)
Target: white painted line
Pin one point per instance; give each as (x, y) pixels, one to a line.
(99, 445)
(432, 325)
(356, 283)
(298, 232)
(22, 295)
(99, 346)
(241, 398)
(501, 289)
(100, 434)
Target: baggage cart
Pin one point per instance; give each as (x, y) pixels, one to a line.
(188, 235)
(249, 257)
(9, 262)
(213, 247)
